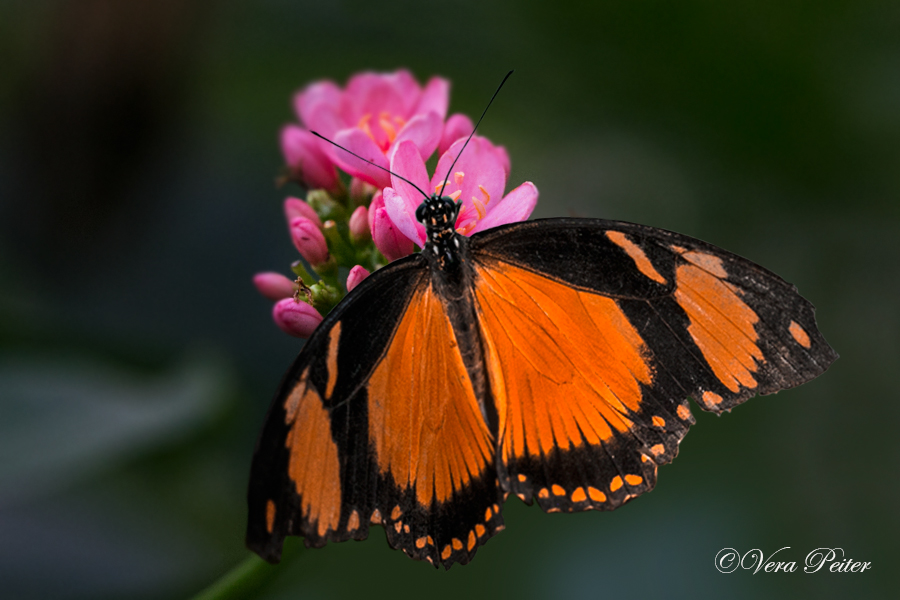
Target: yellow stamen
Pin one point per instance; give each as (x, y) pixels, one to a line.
(364, 125)
(458, 177)
(487, 197)
(387, 127)
(479, 207)
(441, 184)
(455, 195)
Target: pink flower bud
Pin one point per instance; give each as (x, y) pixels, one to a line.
(298, 319)
(309, 241)
(357, 274)
(359, 225)
(295, 207)
(274, 286)
(388, 238)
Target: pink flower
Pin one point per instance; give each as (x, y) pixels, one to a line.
(274, 286)
(359, 225)
(373, 114)
(457, 126)
(308, 163)
(357, 274)
(309, 241)
(298, 319)
(478, 179)
(295, 207)
(388, 239)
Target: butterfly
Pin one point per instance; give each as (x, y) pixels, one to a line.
(551, 360)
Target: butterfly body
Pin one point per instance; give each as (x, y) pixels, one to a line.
(551, 360)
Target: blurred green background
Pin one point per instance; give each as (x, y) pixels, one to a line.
(138, 152)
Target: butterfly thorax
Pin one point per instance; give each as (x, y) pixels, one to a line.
(438, 214)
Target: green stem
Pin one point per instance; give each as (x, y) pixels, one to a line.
(243, 580)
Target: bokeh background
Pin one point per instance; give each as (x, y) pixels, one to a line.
(138, 153)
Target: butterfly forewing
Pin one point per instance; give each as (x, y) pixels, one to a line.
(597, 332)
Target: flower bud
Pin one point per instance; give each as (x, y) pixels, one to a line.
(388, 239)
(274, 286)
(295, 207)
(298, 319)
(359, 226)
(357, 274)
(309, 241)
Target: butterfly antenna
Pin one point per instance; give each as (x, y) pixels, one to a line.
(447, 178)
(320, 136)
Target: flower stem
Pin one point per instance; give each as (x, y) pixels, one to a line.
(243, 580)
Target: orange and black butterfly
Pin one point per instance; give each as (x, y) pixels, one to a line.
(551, 360)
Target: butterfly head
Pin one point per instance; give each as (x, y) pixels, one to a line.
(438, 215)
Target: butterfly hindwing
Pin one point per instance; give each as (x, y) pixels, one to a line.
(598, 332)
(377, 423)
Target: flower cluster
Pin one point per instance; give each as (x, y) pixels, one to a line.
(364, 219)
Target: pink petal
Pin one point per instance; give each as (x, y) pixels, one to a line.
(516, 206)
(481, 164)
(309, 241)
(357, 274)
(320, 93)
(388, 238)
(376, 203)
(503, 156)
(424, 131)
(274, 286)
(307, 161)
(325, 120)
(408, 88)
(403, 216)
(435, 97)
(359, 224)
(358, 142)
(298, 319)
(374, 93)
(295, 207)
(457, 126)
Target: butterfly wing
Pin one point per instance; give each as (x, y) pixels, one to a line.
(360, 433)
(597, 332)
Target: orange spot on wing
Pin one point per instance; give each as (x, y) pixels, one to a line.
(722, 325)
(353, 521)
(457, 545)
(712, 398)
(420, 543)
(558, 490)
(488, 514)
(313, 465)
(707, 262)
(447, 552)
(799, 334)
(333, 341)
(428, 432)
(479, 529)
(376, 517)
(658, 421)
(637, 254)
(634, 479)
(522, 478)
(544, 493)
(395, 514)
(615, 484)
(684, 413)
(658, 449)
(565, 366)
(471, 542)
(596, 495)
(578, 495)
(430, 541)
(398, 526)
(270, 515)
